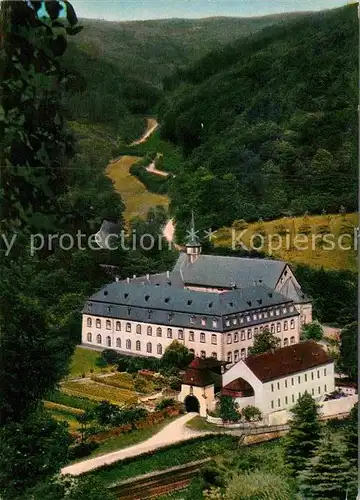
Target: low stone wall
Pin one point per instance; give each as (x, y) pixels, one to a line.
(328, 409)
(238, 425)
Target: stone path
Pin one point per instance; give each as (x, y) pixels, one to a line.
(173, 433)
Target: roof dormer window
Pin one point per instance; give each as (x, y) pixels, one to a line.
(192, 320)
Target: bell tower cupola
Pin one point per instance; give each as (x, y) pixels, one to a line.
(193, 245)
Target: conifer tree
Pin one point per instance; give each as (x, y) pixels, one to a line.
(304, 434)
(329, 475)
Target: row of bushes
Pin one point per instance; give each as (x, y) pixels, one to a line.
(149, 421)
(72, 401)
(99, 392)
(154, 183)
(120, 380)
(49, 405)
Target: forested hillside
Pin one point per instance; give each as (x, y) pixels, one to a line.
(268, 125)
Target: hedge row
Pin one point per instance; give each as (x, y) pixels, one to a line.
(61, 397)
(49, 405)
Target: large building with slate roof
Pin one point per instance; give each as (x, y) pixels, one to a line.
(213, 304)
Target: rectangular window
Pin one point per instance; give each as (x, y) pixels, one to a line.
(278, 385)
(324, 372)
(272, 387)
(272, 404)
(242, 334)
(234, 321)
(203, 321)
(236, 337)
(249, 333)
(229, 338)
(319, 390)
(181, 334)
(325, 389)
(293, 398)
(286, 400)
(305, 377)
(256, 331)
(278, 327)
(169, 333)
(279, 402)
(285, 382)
(213, 339)
(292, 381)
(191, 336)
(318, 374)
(299, 379)
(215, 323)
(202, 338)
(312, 375)
(312, 391)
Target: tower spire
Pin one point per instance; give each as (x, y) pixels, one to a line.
(193, 245)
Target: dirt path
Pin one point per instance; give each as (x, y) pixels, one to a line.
(152, 125)
(174, 432)
(152, 169)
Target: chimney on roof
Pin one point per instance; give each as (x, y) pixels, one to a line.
(233, 285)
(127, 280)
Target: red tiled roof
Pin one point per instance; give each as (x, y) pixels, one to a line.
(198, 378)
(205, 364)
(287, 360)
(237, 388)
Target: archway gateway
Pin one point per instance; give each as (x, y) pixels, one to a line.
(192, 404)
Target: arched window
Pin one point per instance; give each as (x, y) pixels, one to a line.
(202, 354)
(98, 323)
(138, 329)
(118, 326)
(202, 337)
(278, 327)
(128, 344)
(148, 347)
(229, 357)
(191, 336)
(214, 355)
(108, 341)
(159, 349)
(272, 328)
(236, 356)
(149, 330)
(158, 332)
(108, 324)
(181, 334)
(98, 338)
(128, 327)
(213, 339)
(138, 345)
(89, 337)
(89, 322)
(118, 342)
(286, 341)
(286, 325)
(249, 333)
(243, 353)
(292, 324)
(292, 340)
(169, 333)
(229, 338)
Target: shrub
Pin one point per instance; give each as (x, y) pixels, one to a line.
(165, 403)
(72, 401)
(251, 413)
(109, 356)
(82, 450)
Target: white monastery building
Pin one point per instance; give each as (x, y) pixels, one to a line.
(213, 304)
(272, 381)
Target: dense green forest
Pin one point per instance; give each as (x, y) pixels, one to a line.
(268, 125)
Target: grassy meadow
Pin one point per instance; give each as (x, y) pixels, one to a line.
(135, 196)
(315, 227)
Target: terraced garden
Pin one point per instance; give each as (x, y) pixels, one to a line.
(98, 392)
